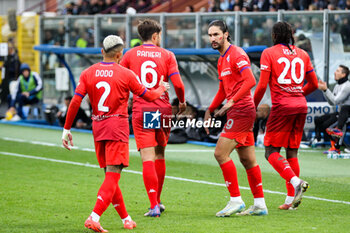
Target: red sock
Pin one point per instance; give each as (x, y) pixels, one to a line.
(281, 165)
(255, 181)
(106, 192)
(160, 169)
(294, 164)
(151, 181)
(118, 203)
(230, 175)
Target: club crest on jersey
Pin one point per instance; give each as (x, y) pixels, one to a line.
(225, 72)
(151, 120)
(228, 58)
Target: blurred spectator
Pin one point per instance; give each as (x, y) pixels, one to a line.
(84, 7)
(111, 7)
(82, 42)
(135, 42)
(293, 5)
(59, 37)
(10, 71)
(260, 5)
(189, 8)
(81, 121)
(303, 42)
(281, 5)
(224, 5)
(48, 38)
(345, 31)
(28, 90)
(122, 6)
(214, 6)
(94, 7)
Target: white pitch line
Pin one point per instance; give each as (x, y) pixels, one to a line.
(91, 149)
(130, 150)
(168, 177)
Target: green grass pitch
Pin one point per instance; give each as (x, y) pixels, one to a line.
(39, 195)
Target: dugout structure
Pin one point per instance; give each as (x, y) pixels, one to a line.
(197, 68)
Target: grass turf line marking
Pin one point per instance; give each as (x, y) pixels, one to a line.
(168, 177)
(130, 150)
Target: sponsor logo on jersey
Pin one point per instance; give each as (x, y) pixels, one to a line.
(263, 67)
(242, 63)
(153, 54)
(297, 89)
(225, 72)
(151, 120)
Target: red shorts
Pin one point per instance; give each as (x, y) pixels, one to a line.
(112, 153)
(284, 131)
(240, 128)
(148, 137)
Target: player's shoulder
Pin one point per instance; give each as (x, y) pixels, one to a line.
(273, 49)
(236, 52)
(132, 50)
(125, 73)
(301, 51)
(165, 51)
(90, 69)
(123, 69)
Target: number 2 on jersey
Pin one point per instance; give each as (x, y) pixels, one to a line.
(104, 96)
(282, 80)
(148, 68)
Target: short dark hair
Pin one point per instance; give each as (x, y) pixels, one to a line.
(68, 98)
(147, 27)
(282, 33)
(223, 27)
(345, 70)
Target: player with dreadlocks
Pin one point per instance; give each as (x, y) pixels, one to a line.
(285, 67)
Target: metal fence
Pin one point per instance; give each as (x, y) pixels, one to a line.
(325, 35)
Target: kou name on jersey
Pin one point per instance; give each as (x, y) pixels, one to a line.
(148, 54)
(288, 52)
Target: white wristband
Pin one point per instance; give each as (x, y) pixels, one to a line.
(65, 134)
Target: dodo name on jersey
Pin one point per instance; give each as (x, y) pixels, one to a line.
(104, 73)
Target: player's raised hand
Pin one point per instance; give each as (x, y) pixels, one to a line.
(322, 85)
(224, 109)
(165, 84)
(67, 139)
(207, 116)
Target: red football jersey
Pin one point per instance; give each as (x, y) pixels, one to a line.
(108, 86)
(230, 66)
(150, 62)
(288, 70)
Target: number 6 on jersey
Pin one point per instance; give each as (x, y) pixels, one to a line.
(148, 68)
